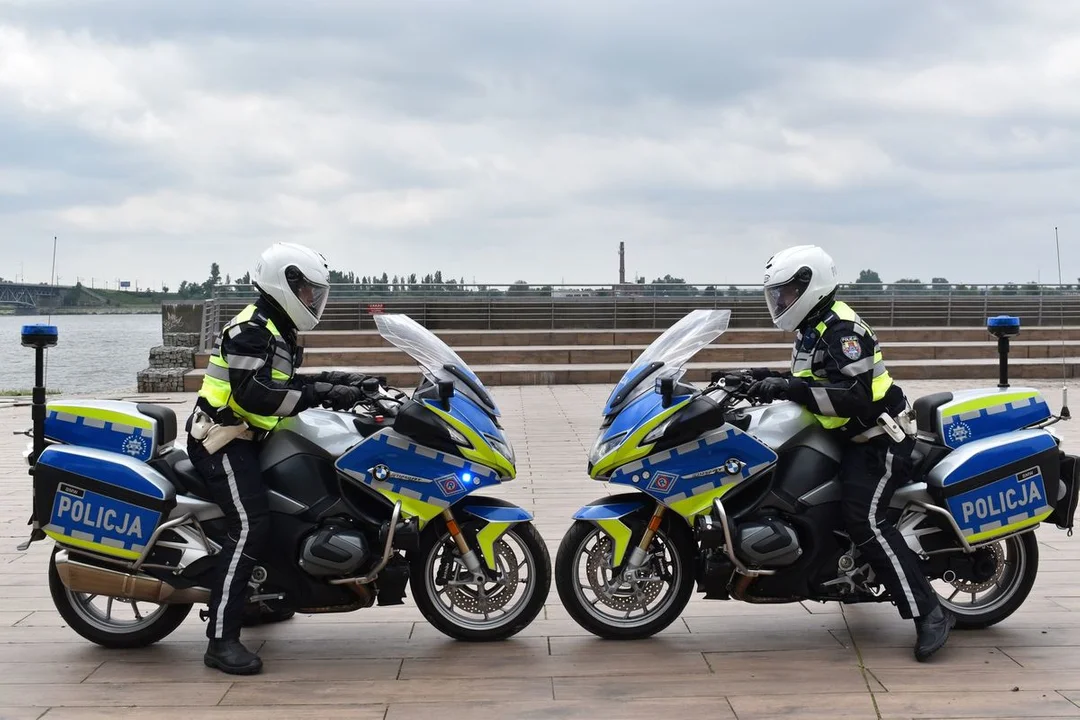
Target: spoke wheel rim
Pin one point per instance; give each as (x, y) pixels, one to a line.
(118, 616)
(523, 574)
(661, 599)
(972, 599)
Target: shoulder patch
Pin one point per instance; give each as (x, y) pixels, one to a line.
(851, 347)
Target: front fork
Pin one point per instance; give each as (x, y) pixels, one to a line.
(468, 555)
(640, 553)
(483, 566)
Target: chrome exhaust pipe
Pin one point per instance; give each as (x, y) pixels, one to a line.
(93, 580)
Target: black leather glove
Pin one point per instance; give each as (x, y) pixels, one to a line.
(342, 397)
(341, 378)
(769, 389)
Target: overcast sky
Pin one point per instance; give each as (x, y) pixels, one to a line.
(523, 139)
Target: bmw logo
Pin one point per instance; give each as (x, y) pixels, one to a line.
(733, 466)
(381, 473)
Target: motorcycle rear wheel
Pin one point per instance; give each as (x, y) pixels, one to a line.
(109, 626)
(980, 605)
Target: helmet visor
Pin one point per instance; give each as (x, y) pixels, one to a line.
(312, 295)
(781, 297)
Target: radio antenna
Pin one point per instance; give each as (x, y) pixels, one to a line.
(52, 281)
(1065, 415)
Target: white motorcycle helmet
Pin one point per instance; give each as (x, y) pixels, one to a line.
(297, 280)
(796, 281)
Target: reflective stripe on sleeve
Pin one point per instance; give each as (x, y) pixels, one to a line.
(245, 362)
(292, 398)
(858, 368)
(824, 403)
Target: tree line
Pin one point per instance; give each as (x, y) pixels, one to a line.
(869, 282)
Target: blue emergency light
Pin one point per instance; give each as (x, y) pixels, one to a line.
(1003, 327)
(39, 337)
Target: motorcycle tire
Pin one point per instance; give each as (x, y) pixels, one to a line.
(1015, 592)
(98, 631)
(423, 590)
(566, 581)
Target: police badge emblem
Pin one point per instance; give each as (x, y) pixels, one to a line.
(851, 347)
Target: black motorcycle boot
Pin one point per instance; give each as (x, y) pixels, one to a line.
(933, 632)
(230, 656)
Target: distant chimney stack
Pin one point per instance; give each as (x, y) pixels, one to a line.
(622, 263)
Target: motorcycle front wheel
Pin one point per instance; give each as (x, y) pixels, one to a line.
(604, 601)
(498, 607)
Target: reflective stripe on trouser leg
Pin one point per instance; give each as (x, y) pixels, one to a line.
(869, 479)
(238, 551)
(898, 568)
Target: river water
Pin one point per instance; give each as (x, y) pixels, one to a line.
(96, 353)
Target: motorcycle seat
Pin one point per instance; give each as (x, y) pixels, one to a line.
(926, 417)
(923, 459)
(191, 480)
(181, 472)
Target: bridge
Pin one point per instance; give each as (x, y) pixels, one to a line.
(30, 297)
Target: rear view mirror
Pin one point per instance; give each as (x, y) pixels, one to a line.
(446, 391)
(666, 389)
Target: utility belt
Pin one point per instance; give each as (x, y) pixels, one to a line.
(213, 435)
(898, 428)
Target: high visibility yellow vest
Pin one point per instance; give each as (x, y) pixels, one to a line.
(802, 363)
(216, 388)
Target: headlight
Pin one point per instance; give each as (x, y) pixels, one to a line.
(657, 432)
(603, 447)
(455, 435)
(503, 448)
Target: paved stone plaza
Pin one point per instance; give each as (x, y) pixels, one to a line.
(722, 660)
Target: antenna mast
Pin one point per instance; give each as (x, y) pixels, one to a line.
(1065, 415)
(52, 281)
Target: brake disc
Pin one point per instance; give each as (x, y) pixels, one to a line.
(467, 596)
(625, 596)
(972, 587)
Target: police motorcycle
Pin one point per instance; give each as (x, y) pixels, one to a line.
(743, 501)
(362, 504)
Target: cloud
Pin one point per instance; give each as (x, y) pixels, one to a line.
(508, 141)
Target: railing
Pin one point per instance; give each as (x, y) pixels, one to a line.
(213, 319)
(516, 307)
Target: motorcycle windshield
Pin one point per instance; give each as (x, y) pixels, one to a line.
(668, 355)
(437, 361)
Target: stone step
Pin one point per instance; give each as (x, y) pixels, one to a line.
(549, 338)
(406, 376)
(626, 354)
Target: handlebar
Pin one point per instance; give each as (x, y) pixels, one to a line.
(736, 393)
(381, 399)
